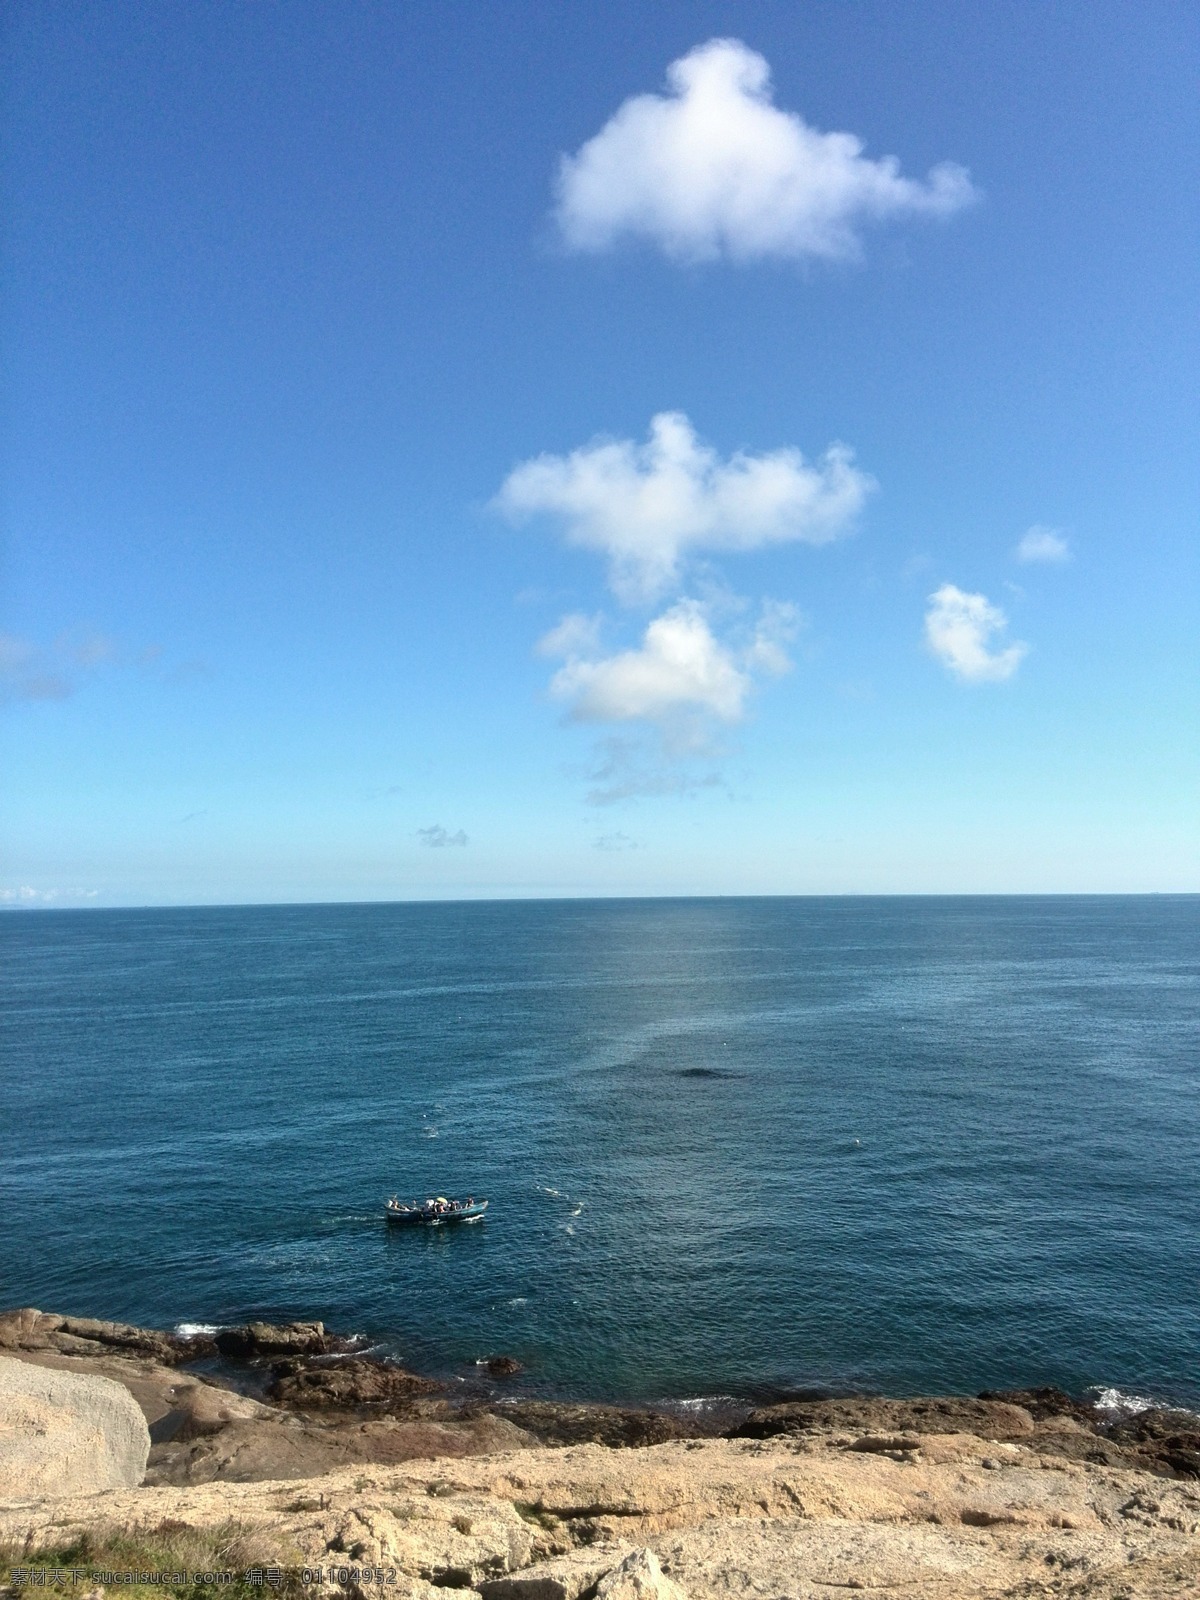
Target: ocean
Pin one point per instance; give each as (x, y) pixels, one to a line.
(732, 1147)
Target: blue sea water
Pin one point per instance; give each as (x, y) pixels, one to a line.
(731, 1146)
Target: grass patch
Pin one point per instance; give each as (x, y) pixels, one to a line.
(220, 1563)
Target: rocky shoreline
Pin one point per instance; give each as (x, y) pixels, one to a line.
(995, 1486)
(293, 1400)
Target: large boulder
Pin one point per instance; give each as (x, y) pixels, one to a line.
(346, 1385)
(65, 1434)
(278, 1339)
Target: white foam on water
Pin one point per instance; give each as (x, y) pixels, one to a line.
(567, 1228)
(193, 1330)
(520, 1300)
(703, 1402)
(577, 1209)
(1120, 1404)
(546, 1189)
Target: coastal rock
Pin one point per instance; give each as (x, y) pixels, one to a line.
(282, 1446)
(66, 1434)
(30, 1329)
(175, 1404)
(359, 1381)
(1162, 1440)
(874, 1415)
(573, 1576)
(278, 1339)
(962, 1519)
(639, 1577)
(1046, 1404)
(502, 1366)
(558, 1422)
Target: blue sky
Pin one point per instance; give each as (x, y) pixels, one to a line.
(344, 557)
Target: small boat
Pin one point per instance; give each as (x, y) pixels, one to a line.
(436, 1211)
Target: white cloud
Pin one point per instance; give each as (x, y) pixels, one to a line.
(646, 506)
(680, 668)
(959, 629)
(439, 838)
(679, 665)
(1043, 544)
(575, 635)
(714, 169)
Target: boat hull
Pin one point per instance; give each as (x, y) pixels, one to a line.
(425, 1217)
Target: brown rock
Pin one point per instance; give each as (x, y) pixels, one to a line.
(1166, 1441)
(872, 1414)
(289, 1446)
(25, 1327)
(503, 1366)
(278, 1339)
(29, 1329)
(346, 1385)
(1045, 1403)
(559, 1422)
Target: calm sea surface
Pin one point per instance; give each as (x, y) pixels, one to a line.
(730, 1145)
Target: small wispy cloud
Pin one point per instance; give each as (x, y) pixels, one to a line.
(715, 169)
(1043, 544)
(26, 674)
(960, 629)
(615, 841)
(27, 895)
(439, 838)
(641, 765)
(31, 672)
(575, 635)
(647, 507)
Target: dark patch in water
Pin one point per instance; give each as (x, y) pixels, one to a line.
(707, 1072)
